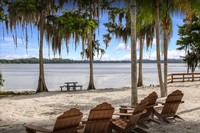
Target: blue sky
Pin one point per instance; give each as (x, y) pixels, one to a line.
(117, 50)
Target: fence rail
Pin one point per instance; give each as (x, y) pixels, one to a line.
(183, 77)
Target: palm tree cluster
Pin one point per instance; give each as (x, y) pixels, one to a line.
(134, 19)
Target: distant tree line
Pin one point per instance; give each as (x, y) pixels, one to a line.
(59, 60)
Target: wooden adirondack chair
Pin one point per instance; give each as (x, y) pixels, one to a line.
(170, 106)
(131, 125)
(148, 116)
(99, 119)
(65, 123)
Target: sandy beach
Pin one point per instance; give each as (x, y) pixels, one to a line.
(43, 108)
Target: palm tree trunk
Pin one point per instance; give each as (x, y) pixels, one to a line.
(162, 91)
(41, 82)
(165, 59)
(91, 81)
(140, 79)
(134, 95)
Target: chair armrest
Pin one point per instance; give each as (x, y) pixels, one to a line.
(153, 105)
(160, 103)
(170, 102)
(123, 114)
(80, 126)
(126, 106)
(130, 114)
(96, 121)
(84, 121)
(158, 107)
(36, 128)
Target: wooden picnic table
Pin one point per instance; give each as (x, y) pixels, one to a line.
(72, 85)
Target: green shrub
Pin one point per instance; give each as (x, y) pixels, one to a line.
(1, 79)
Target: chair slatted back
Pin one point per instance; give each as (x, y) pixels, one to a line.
(99, 118)
(172, 103)
(138, 111)
(68, 119)
(152, 97)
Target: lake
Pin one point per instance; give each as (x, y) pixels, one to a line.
(106, 75)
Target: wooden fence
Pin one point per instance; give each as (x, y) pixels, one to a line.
(183, 77)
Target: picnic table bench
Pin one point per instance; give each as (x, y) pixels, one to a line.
(71, 85)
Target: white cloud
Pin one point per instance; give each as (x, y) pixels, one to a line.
(150, 55)
(153, 43)
(106, 57)
(175, 54)
(11, 41)
(172, 54)
(14, 56)
(122, 46)
(125, 57)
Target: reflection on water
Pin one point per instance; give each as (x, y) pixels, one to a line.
(108, 75)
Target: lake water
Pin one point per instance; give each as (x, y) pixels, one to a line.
(106, 75)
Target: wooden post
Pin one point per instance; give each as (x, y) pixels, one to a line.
(121, 110)
(172, 78)
(192, 77)
(183, 77)
(61, 88)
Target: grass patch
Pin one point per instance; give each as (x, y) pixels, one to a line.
(5, 93)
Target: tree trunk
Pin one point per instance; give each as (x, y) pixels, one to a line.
(134, 95)
(188, 68)
(41, 82)
(91, 82)
(165, 59)
(140, 79)
(162, 91)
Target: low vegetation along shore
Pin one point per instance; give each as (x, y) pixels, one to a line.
(43, 108)
(59, 60)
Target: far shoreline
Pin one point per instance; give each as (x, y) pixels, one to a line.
(71, 61)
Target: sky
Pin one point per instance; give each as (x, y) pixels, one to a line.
(117, 49)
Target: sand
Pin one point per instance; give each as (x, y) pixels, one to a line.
(43, 108)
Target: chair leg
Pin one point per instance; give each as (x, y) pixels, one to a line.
(30, 130)
(150, 119)
(143, 125)
(140, 130)
(176, 116)
(161, 117)
(110, 129)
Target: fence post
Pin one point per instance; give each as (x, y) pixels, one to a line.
(172, 78)
(192, 76)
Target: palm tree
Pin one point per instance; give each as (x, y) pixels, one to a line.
(145, 29)
(86, 52)
(169, 7)
(134, 93)
(157, 22)
(73, 24)
(146, 33)
(166, 22)
(26, 12)
(93, 8)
